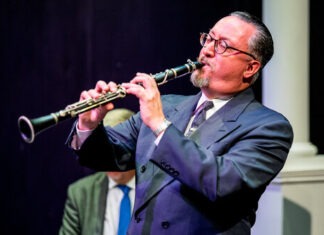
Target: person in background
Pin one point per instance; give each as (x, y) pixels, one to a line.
(92, 204)
(202, 161)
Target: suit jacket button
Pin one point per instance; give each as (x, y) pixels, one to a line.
(138, 219)
(143, 169)
(165, 224)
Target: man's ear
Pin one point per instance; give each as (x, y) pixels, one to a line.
(251, 69)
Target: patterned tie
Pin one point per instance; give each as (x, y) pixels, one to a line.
(200, 116)
(125, 210)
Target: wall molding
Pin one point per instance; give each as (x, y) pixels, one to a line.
(301, 170)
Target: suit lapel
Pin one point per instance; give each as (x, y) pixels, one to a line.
(181, 114)
(224, 121)
(101, 194)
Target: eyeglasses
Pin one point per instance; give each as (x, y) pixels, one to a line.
(220, 45)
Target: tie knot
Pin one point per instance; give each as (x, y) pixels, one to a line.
(124, 188)
(204, 107)
(208, 104)
(200, 116)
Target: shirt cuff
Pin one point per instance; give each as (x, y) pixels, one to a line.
(79, 138)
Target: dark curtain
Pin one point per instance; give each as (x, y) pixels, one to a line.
(51, 50)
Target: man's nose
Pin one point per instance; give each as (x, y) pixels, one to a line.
(209, 49)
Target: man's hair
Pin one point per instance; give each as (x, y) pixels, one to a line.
(117, 116)
(261, 44)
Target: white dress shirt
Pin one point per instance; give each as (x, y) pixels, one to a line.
(114, 198)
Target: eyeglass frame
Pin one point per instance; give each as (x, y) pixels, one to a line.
(216, 41)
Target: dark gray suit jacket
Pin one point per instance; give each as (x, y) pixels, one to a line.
(85, 206)
(208, 184)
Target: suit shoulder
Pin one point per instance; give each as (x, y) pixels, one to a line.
(174, 99)
(88, 180)
(270, 113)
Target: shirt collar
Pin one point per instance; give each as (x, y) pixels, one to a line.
(217, 102)
(112, 183)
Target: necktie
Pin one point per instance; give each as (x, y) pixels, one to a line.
(200, 116)
(125, 211)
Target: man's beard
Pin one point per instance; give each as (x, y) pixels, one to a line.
(199, 81)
